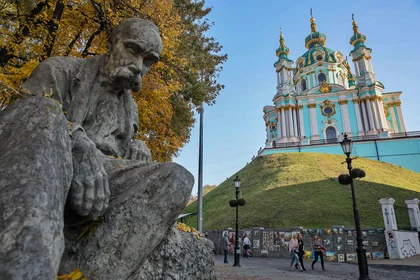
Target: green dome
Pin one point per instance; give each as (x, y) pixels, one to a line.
(325, 54)
(357, 39)
(283, 51)
(315, 39)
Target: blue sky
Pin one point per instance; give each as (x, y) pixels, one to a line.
(234, 128)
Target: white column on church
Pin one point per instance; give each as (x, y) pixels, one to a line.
(374, 112)
(291, 132)
(295, 121)
(282, 76)
(358, 117)
(313, 120)
(393, 118)
(283, 122)
(278, 78)
(330, 75)
(278, 123)
(370, 114)
(356, 69)
(400, 116)
(345, 116)
(365, 116)
(286, 113)
(302, 129)
(382, 113)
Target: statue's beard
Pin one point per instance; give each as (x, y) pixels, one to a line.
(124, 78)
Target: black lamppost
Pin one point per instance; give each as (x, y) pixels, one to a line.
(236, 203)
(347, 145)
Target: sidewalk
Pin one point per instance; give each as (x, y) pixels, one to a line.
(274, 268)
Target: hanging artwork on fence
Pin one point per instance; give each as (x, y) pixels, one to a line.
(377, 255)
(331, 256)
(339, 239)
(375, 243)
(365, 243)
(307, 255)
(340, 257)
(351, 257)
(256, 244)
(372, 232)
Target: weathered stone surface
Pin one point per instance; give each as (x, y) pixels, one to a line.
(180, 256)
(146, 199)
(46, 173)
(35, 175)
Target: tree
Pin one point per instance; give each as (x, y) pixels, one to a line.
(184, 78)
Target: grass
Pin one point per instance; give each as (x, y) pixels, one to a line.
(301, 189)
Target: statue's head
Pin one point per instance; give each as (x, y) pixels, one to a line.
(134, 46)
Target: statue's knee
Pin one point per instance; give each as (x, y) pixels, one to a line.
(178, 172)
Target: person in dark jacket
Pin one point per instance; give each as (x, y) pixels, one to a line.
(301, 251)
(226, 246)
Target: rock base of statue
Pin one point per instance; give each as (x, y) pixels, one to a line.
(179, 256)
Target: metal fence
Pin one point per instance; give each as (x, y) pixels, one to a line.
(409, 134)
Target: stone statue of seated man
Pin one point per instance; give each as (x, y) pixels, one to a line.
(70, 148)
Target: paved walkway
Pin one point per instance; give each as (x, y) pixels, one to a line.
(273, 268)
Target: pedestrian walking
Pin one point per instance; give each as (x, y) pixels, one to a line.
(226, 246)
(294, 250)
(247, 245)
(301, 251)
(317, 246)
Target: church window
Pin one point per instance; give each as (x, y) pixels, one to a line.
(331, 133)
(328, 110)
(303, 84)
(301, 65)
(319, 57)
(321, 78)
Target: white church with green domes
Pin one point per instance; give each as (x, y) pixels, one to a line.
(320, 98)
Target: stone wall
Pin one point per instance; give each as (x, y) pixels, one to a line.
(340, 242)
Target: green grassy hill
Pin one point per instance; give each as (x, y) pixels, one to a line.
(301, 189)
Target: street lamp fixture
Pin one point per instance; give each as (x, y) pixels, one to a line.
(236, 203)
(344, 179)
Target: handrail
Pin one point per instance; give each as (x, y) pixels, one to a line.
(408, 134)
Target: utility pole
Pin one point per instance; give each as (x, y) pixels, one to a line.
(200, 174)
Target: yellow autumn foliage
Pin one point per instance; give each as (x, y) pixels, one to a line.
(35, 30)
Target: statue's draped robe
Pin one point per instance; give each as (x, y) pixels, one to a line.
(36, 173)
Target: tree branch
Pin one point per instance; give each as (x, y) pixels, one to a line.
(91, 38)
(6, 52)
(52, 29)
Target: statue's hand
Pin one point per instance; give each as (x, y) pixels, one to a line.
(89, 191)
(138, 150)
